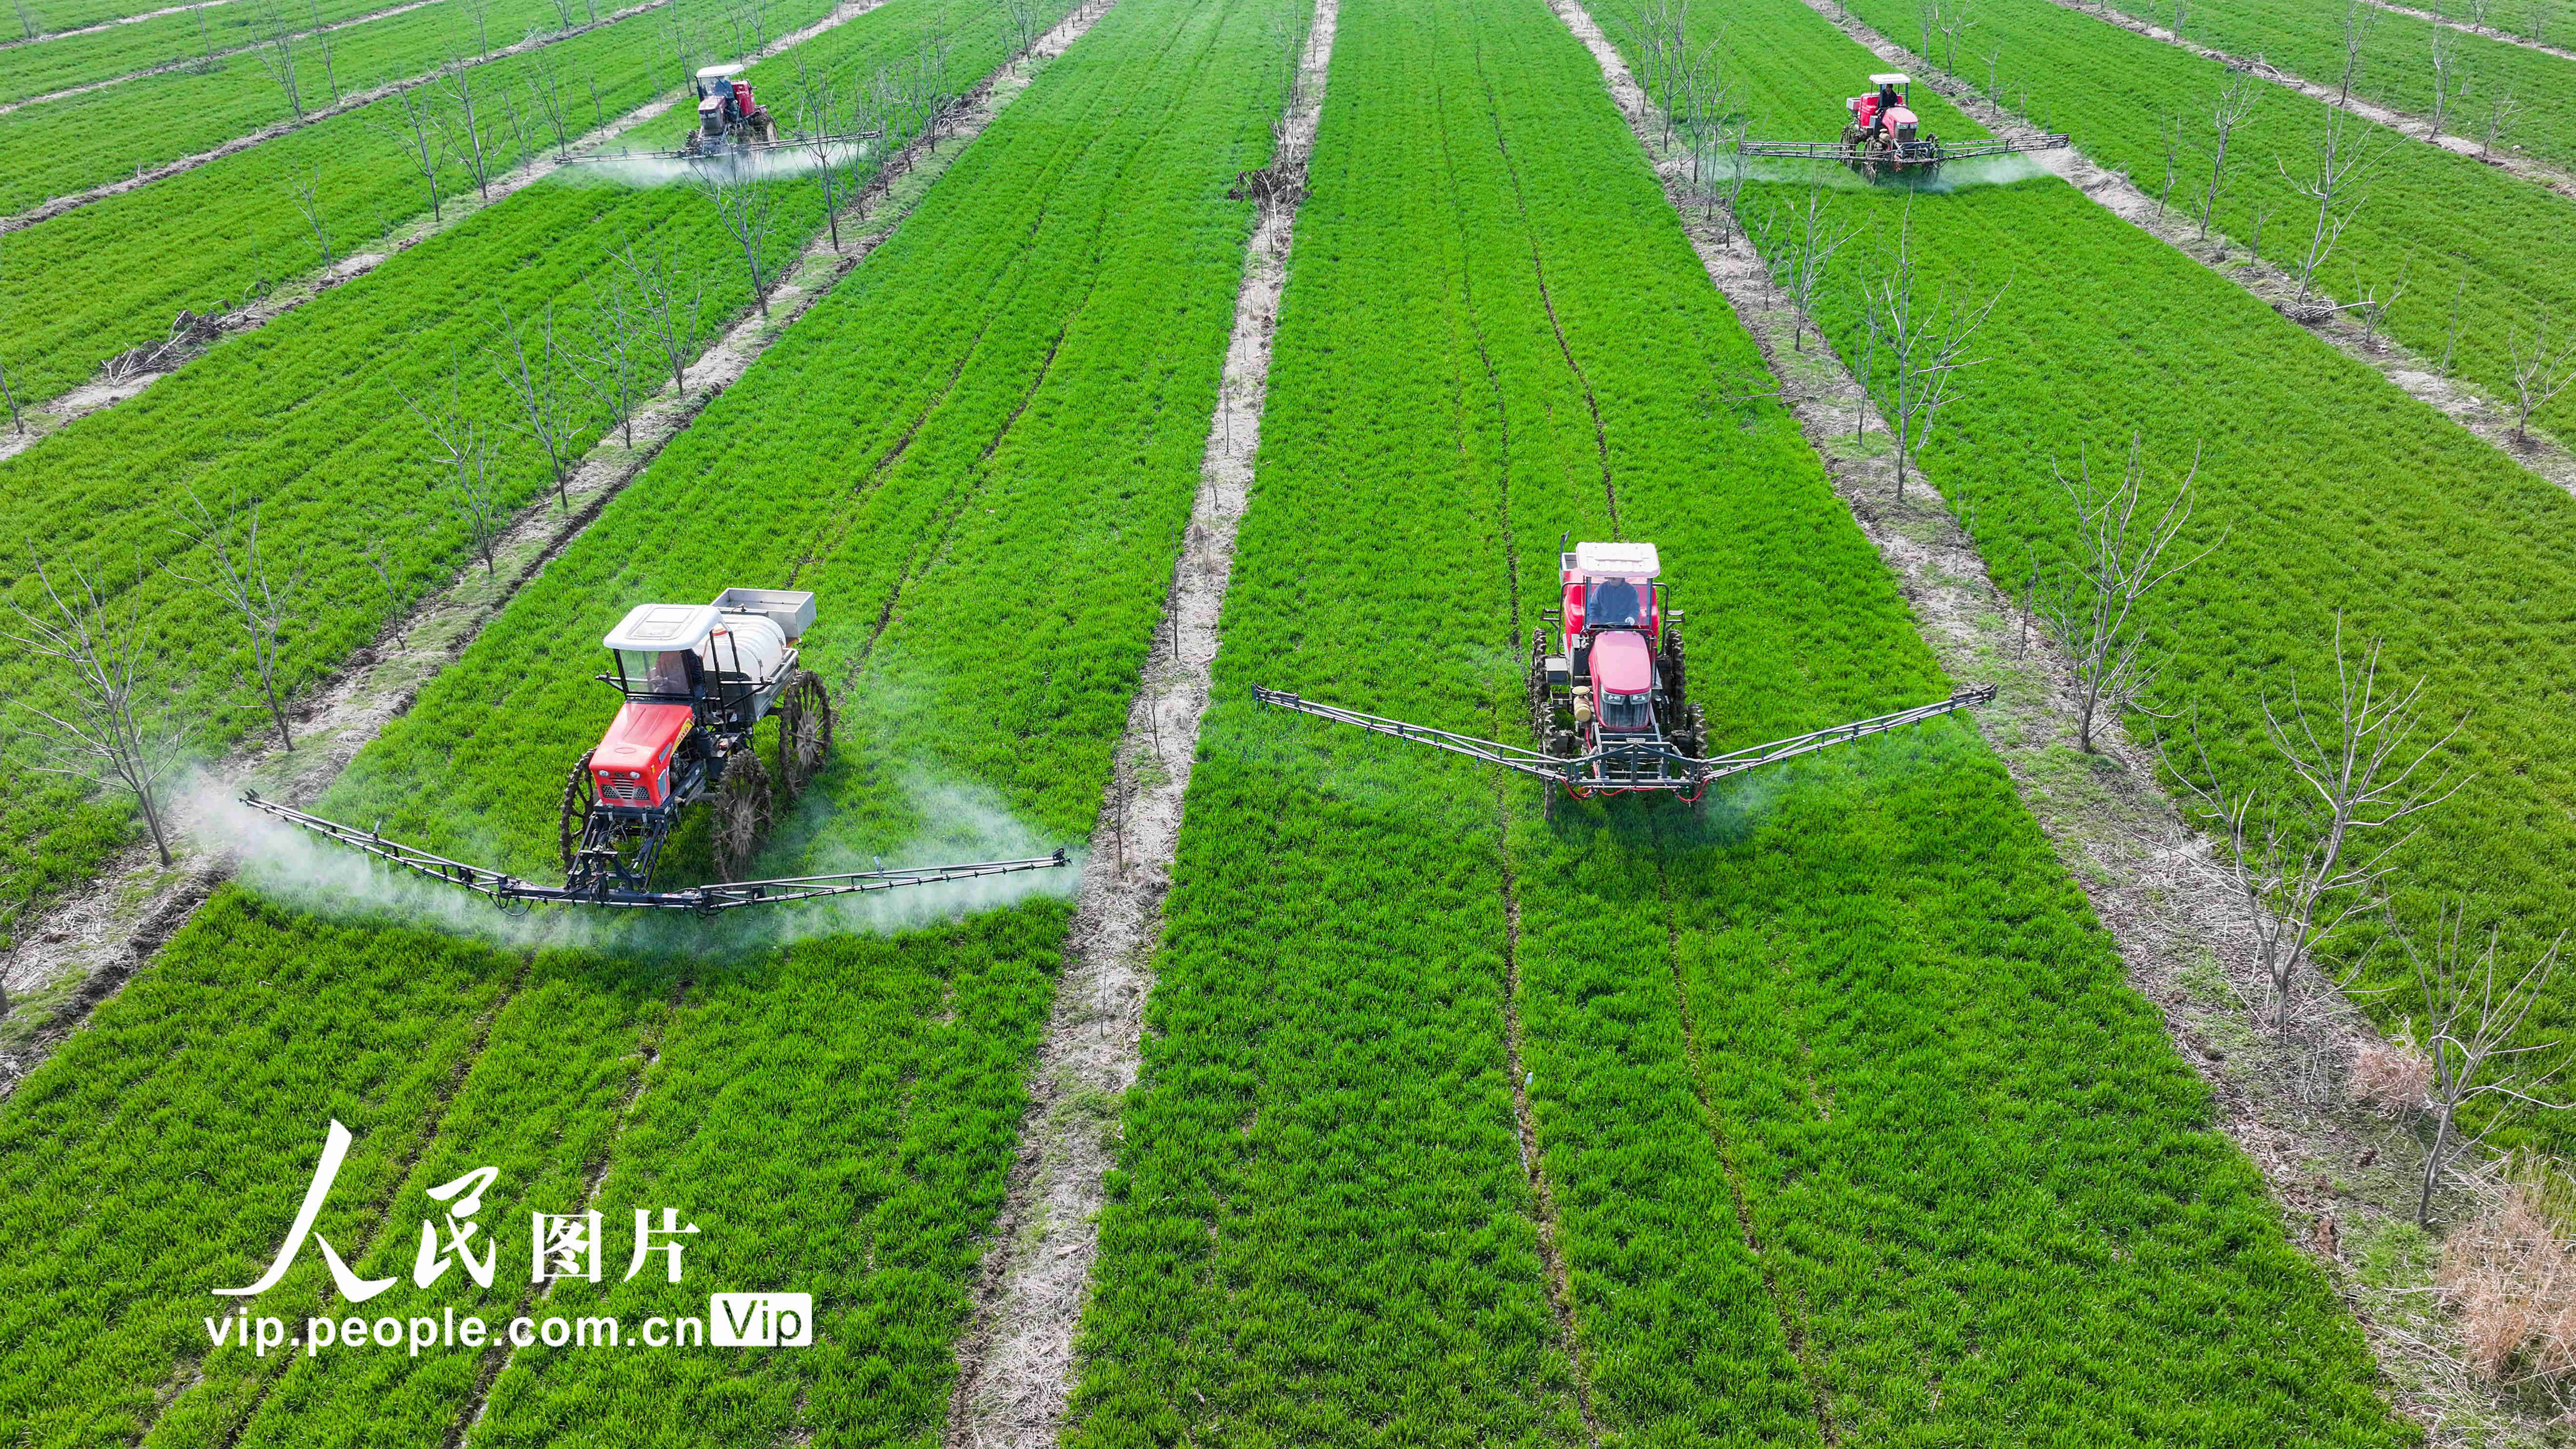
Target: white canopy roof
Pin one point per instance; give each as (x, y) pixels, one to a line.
(1891, 78)
(653, 628)
(1635, 560)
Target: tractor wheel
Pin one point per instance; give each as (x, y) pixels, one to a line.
(804, 732)
(741, 814)
(1694, 741)
(578, 797)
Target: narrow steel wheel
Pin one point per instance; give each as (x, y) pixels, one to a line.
(804, 732)
(741, 814)
(578, 796)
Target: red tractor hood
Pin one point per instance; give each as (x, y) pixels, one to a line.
(1621, 662)
(642, 735)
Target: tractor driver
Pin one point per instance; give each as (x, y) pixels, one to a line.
(1614, 605)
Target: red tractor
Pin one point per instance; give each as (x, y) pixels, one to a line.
(1607, 699)
(729, 120)
(698, 680)
(1885, 139)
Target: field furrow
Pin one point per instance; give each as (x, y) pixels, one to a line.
(1096, 201)
(1743, 1007)
(2336, 493)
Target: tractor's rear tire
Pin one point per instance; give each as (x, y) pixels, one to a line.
(804, 732)
(741, 814)
(578, 797)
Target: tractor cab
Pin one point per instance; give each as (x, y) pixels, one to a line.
(1610, 586)
(722, 100)
(1885, 106)
(719, 666)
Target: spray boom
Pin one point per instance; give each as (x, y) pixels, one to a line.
(601, 890)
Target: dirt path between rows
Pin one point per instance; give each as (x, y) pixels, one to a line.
(2550, 174)
(2342, 1178)
(1016, 1366)
(83, 948)
(185, 61)
(2490, 418)
(2507, 37)
(105, 25)
(347, 103)
(49, 416)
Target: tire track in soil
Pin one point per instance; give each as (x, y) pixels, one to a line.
(1015, 1361)
(73, 201)
(1793, 1326)
(383, 1207)
(2489, 418)
(53, 413)
(107, 932)
(498, 1357)
(1538, 271)
(2142, 867)
(1548, 1224)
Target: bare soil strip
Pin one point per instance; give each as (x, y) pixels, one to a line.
(43, 36)
(2490, 418)
(185, 61)
(347, 103)
(1015, 1362)
(2505, 36)
(1560, 1282)
(2538, 172)
(44, 418)
(2343, 1178)
(83, 948)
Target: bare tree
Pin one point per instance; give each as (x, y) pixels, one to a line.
(238, 575)
(100, 723)
(1811, 243)
(2541, 371)
(2451, 80)
(26, 20)
(1028, 22)
(545, 84)
(2339, 186)
(537, 385)
(745, 208)
(2360, 17)
(2169, 131)
(814, 105)
(1955, 23)
(2471, 1013)
(2120, 559)
(669, 305)
(275, 51)
(1925, 347)
(613, 349)
(2235, 103)
(417, 134)
(2537, 17)
(464, 134)
(9, 395)
(305, 186)
(469, 471)
(321, 34)
(2451, 338)
(2479, 13)
(2504, 109)
(2305, 868)
(477, 14)
(2372, 301)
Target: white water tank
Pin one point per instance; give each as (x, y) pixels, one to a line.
(746, 645)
